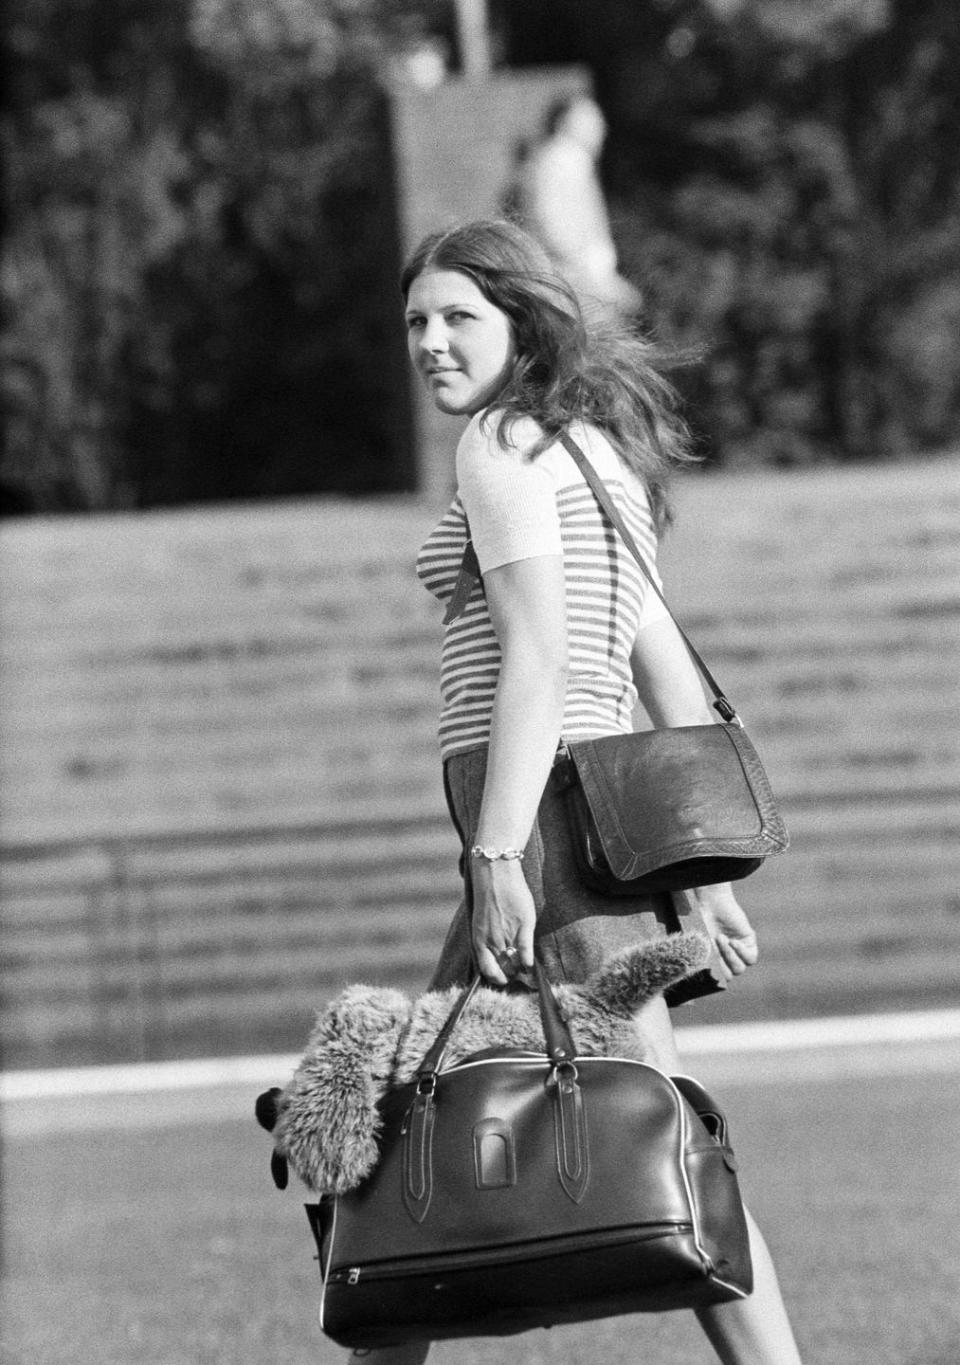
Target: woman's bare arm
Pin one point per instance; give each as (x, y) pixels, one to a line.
(527, 604)
(670, 690)
(666, 680)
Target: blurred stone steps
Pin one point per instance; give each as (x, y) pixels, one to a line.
(38, 957)
(245, 1005)
(221, 790)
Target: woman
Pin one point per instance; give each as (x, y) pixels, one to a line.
(559, 639)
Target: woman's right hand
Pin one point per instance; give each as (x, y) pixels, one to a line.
(728, 925)
(504, 917)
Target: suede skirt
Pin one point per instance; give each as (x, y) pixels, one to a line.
(577, 928)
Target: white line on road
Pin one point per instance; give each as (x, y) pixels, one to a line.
(846, 1030)
(862, 1033)
(140, 1078)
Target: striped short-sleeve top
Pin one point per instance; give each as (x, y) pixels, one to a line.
(518, 508)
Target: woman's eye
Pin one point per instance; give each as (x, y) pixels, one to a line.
(460, 316)
(413, 323)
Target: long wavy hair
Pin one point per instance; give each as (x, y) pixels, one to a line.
(569, 366)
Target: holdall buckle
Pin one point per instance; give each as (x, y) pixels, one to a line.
(727, 710)
(563, 1072)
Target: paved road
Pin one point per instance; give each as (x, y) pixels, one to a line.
(147, 1232)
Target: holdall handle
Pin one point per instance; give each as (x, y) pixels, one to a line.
(559, 1047)
(433, 1059)
(417, 1191)
(599, 491)
(559, 1043)
(556, 1031)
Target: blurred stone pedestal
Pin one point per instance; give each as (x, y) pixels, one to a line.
(453, 154)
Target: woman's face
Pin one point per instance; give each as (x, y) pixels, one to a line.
(461, 343)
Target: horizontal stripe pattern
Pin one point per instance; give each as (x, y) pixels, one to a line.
(606, 595)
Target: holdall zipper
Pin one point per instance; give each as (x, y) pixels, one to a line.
(476, 1260)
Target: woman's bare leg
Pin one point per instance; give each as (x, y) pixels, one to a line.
(413, 1353)
(751, 1331)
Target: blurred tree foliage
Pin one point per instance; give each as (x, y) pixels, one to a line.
(199, 267)
(195, 272)
(785, 180)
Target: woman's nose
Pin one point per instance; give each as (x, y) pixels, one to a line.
(434, 336)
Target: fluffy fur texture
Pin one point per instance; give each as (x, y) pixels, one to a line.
(368, 1040)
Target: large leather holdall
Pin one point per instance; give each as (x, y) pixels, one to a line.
(518, 1190)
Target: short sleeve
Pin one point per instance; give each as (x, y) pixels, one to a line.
(653, 608)
(510, 499)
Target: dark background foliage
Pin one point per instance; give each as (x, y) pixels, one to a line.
(785, 179)
(199, 263)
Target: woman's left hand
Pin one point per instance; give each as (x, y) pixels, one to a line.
(504, 918)
(728, 926)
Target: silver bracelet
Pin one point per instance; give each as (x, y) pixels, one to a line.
(493, 855)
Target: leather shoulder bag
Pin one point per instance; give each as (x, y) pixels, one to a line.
(667, 809)
(521, 1189)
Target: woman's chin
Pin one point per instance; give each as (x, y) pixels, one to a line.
(450, 406)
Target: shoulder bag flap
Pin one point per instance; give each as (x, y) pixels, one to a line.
(694, 791)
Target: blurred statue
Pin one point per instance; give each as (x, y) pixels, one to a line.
(556, 194)
(421, 58)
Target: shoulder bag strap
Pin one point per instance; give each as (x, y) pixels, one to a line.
(467, 579)
(470, 573)
(721, 704)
